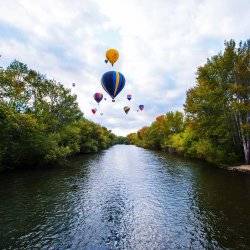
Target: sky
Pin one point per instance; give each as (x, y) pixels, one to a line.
(161, 43)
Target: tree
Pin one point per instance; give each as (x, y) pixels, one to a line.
(218, 105)
(216, 123)
(40, 121)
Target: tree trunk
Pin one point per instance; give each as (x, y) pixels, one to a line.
(248, 153)
(246, 142)
(246, 147)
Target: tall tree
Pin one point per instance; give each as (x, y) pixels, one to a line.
(218, 105)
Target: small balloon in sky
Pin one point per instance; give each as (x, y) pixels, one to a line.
(129, 97)
(126, 109)
(112, 56)
(141, 107)
(98, 97)
(94, 110)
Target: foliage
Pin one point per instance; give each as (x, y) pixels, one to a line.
(216, 127)
(40, 121)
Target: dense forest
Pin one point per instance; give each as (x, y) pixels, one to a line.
(215, 124)
(40, 121)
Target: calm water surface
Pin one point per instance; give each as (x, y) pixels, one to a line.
(125, 198)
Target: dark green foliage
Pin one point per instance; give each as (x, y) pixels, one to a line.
(40, 121)
(121, 140)
(217, 113)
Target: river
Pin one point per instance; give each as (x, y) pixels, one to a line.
(125, 198)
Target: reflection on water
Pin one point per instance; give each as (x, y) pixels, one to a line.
(125, 197)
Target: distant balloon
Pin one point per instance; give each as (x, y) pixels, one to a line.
(126, 109)
(73, 84)
(141, 107)
(93, 111)
(98, 97)
(105, 99)
(101, 113)
(112, 56)
(113, 82)
(129, 97)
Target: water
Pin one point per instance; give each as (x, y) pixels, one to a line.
(125, 198)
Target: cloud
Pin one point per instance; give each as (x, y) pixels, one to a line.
(161, 43)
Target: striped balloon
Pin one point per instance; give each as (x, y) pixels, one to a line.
(113, 82)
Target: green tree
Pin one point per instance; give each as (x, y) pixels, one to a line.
(40, 121)
(216, 124)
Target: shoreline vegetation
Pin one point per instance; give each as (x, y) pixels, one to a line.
(215, 124)
(41, 123)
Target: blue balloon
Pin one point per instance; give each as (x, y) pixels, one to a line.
(113, 82)
(141, 107)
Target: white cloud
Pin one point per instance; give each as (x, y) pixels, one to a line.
(161, 43)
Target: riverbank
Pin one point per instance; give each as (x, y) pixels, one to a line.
(241, 168)
(171, 151)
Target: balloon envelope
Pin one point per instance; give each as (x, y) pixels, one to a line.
(98, 97)
(73, 84)
(126, 109)
(141, 107)
(112, 56)
(129, 97)
(113, 82)
(93, 111)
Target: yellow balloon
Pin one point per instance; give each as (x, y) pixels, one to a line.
(112, 56)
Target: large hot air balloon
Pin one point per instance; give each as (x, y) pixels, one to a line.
(113, 82)
(112, 56)
(141, 107)
(129, 97)
(93, 111)
(126, 109)
(98, 97)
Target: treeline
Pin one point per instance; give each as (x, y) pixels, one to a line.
(40, 121)
(215, 125)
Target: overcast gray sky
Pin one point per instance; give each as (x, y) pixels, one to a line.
(161, 43)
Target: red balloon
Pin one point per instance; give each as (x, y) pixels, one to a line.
(93, 111)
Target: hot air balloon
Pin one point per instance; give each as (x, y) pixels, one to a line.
(93, 111)
(113, 82)
(141, 107)
(129, 97)
(98, 97)
(105, 99)
(112, 56)
(101, 113)
(126, 109)
(73, 84)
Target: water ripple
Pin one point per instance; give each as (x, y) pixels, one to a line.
(125, 198)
